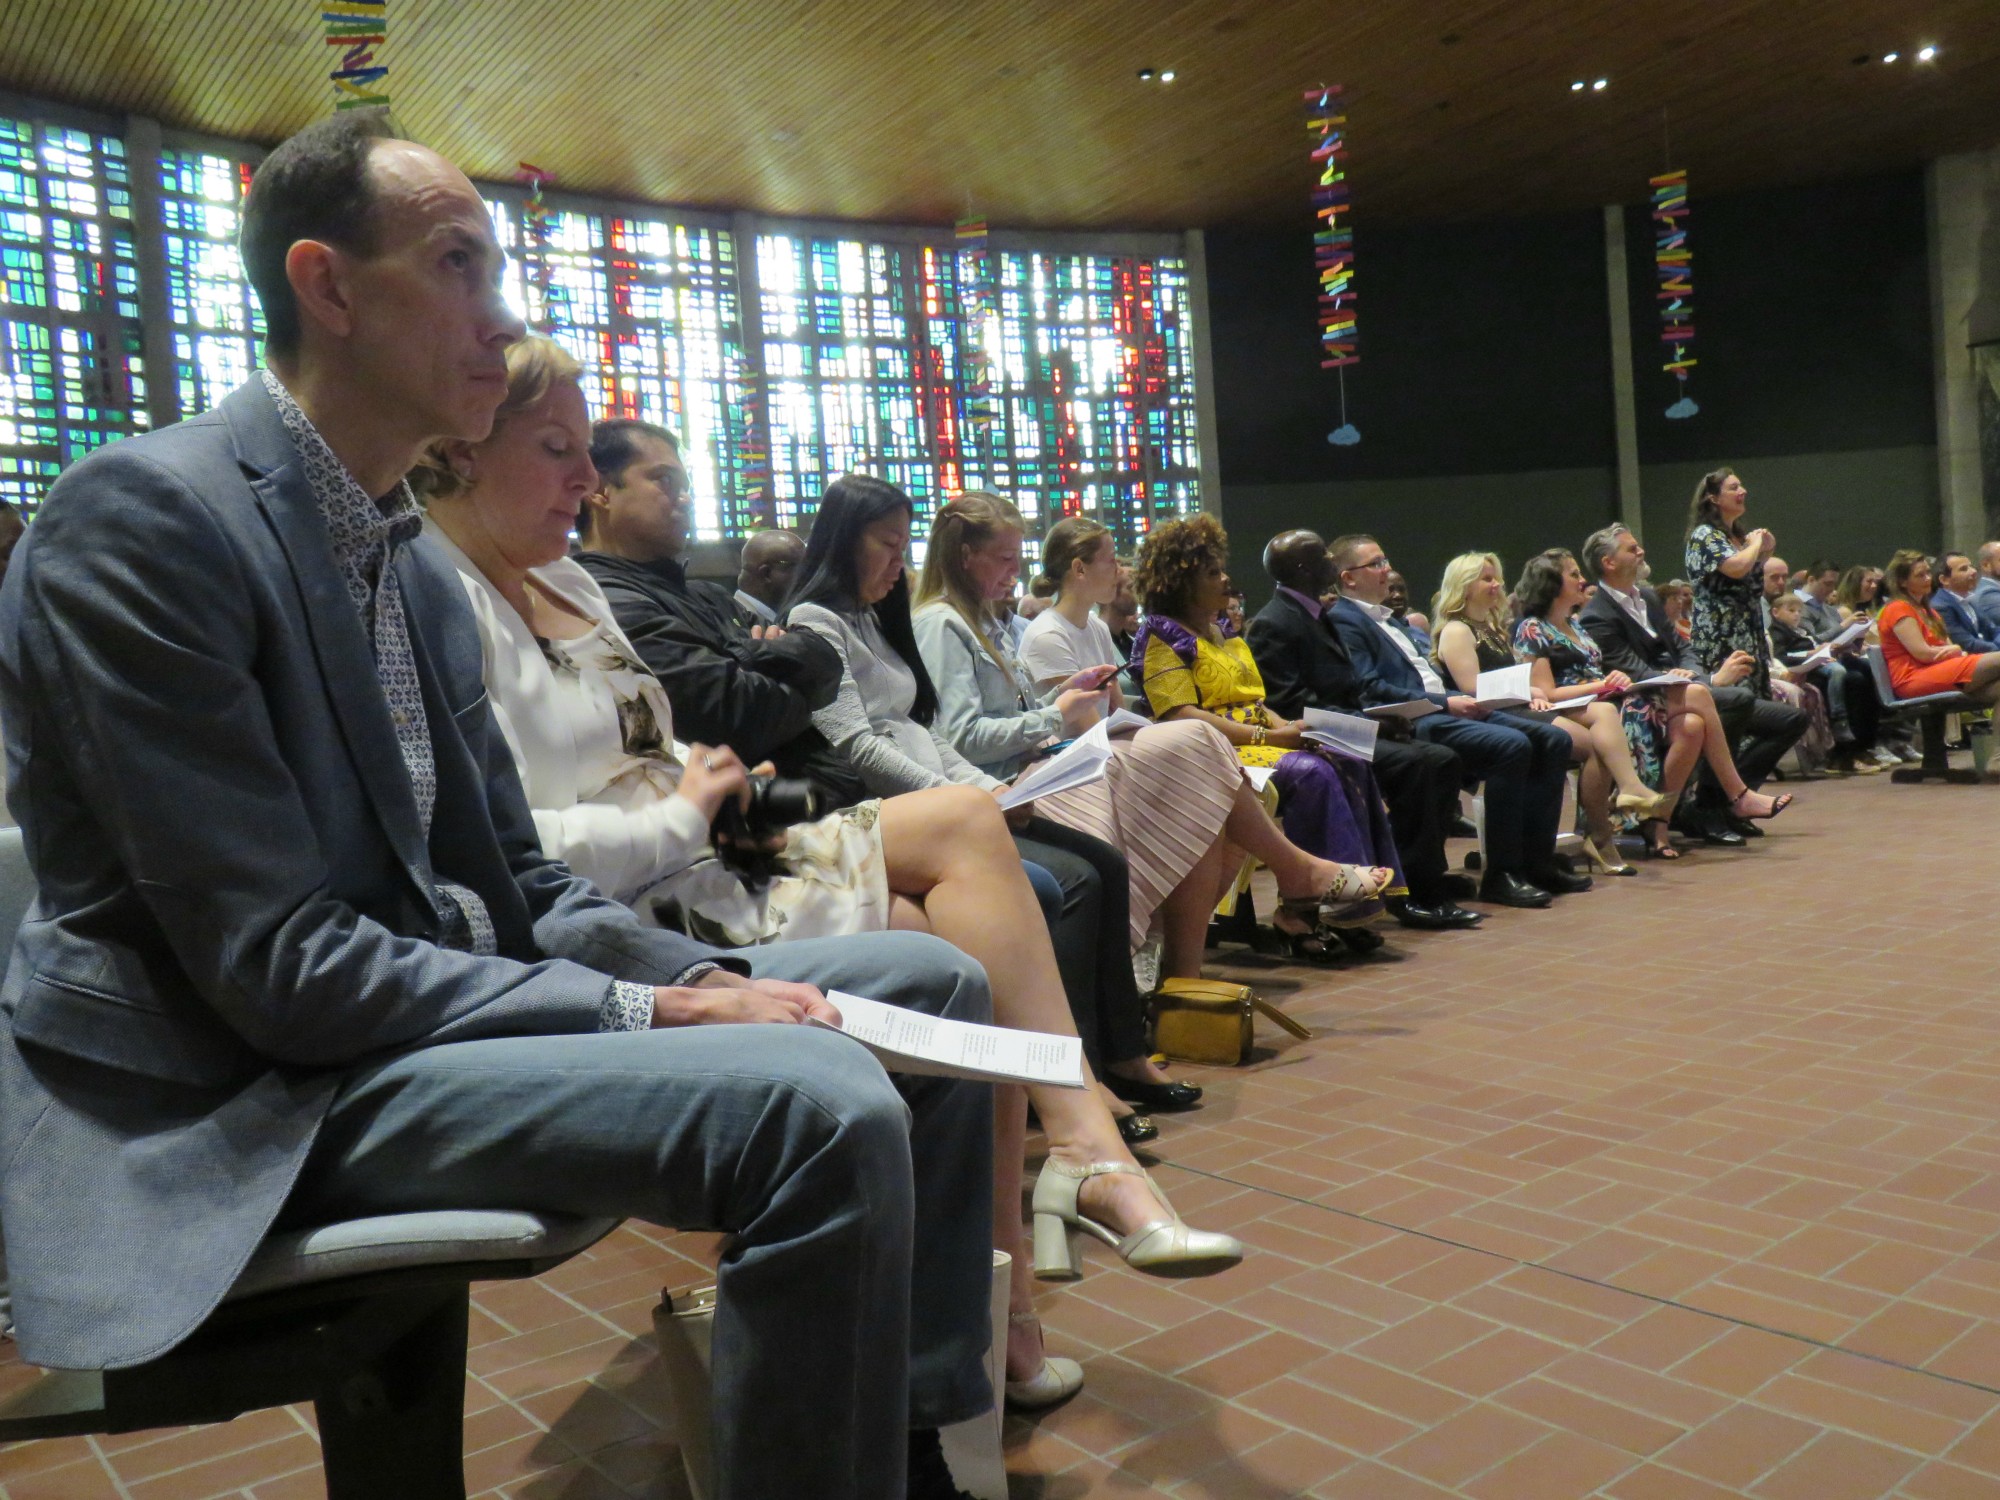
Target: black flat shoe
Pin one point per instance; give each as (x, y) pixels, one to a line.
(1165, 1098)
(1136, 1130)
(1502, 889)
(1434, 916)
(1561, 882)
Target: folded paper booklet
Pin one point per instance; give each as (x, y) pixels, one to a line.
(1813, 660)
(1850, 635)
(1505, 687)
(1409, 708)
(907, 1041)
(1664, 679)
(1350, 734)
(1567, 706)
(1124, 721)
(1083, 762)
(1259, 777)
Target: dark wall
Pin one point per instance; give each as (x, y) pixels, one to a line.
(1482, 351)
(1483, 354)
(1484, 394)
(1812, 318)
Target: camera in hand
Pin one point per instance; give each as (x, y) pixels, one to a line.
(776, 803)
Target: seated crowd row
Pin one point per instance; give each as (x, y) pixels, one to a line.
(356, 880)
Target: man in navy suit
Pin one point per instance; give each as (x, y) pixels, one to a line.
(1953, 599)
(297, 957)
(1522, 761)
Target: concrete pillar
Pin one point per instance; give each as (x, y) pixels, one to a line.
(1963, 202)
(1206, 443)
(1624, 396)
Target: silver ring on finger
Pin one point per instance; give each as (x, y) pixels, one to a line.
(708, 762)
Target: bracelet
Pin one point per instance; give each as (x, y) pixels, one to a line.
(1257, 734)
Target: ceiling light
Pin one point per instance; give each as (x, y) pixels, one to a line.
(1926, 54)
(1599, 86)
(1890, 56)
(1168, 76)
(1145, 75)
(1577, 87)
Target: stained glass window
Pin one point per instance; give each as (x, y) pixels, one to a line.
(216, 322)
(847, 360)
(1093, 379)
(650, 306)
(71, 374)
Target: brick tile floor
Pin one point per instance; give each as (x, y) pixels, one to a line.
(1689, 1188)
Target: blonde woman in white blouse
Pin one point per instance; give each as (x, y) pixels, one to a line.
(612, 795)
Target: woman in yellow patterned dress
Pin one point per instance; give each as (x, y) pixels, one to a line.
(1328, 802)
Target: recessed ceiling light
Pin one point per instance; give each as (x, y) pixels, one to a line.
(1600, 85)
(1145, 75)
(1168, 76)
(1926, 54)
(1890, 56)
(1577, 87)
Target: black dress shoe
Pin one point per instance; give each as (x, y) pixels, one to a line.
(1434, 916)
(1717, 835)
(1556, 879)
(1136, 1130)
(1744, 826)
(930, 1475)
(1501, 889)
(1166, 1098)
(1462, 828)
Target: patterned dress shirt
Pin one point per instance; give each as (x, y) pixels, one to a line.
(365, 535)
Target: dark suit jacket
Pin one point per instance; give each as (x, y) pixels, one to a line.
(756, 697)
(1962, 622)
(234, 903)
(1385, 674)
(1302, 660)
(1627, 648)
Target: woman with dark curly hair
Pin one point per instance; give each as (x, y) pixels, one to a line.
(1328, 803)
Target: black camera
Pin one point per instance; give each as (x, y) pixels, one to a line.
(776, 803)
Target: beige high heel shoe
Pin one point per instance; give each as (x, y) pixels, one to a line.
(1166, 1246)
(1643, 805)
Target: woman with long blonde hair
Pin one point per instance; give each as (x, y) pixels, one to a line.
(1471, 612)
(1174, 799)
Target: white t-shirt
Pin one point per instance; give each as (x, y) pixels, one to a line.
(1054, 650)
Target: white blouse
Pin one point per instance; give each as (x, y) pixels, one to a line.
(591, 733)
(1054, 650)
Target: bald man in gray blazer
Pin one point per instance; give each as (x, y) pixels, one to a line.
(298, 958)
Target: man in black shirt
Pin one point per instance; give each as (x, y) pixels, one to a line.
(752, 689)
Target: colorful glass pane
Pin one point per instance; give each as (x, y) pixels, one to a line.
(71, 373)
(216, 321)
(650, 306)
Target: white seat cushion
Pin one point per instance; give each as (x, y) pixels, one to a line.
(395, 1242)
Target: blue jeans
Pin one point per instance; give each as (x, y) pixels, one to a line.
(831, 1338)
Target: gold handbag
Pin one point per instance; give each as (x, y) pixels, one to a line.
(1208, 1021)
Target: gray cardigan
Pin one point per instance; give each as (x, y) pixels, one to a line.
(869, 720)
(990, 714)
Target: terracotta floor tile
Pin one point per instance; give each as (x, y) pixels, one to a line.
(1562, 1466)
(1910, 1333)
(1839, 1467)
(1740, 1361)
(87, 1480)
(1372, 1481)
(1460, 1447)
(1739, 1446)
(1586, 1415)
(1358, 1428)
(1944, 1481)
(1498, 1360)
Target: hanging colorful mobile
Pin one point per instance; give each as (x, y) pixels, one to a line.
(540, 221)
(753, 454)
(975, 283)
(357, 27)
(1675, 262)
(1333, 245)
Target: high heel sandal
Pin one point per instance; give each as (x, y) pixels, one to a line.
(1778, 805)
(1057, 1380)
(1163, 1246)
(1611, 864)
(1643, 805)
(1658, 851)
(1318, 944)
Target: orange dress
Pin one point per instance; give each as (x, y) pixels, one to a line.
(1912, 678)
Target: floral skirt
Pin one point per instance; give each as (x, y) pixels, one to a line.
(835, 883)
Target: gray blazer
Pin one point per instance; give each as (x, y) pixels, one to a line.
(233, 875)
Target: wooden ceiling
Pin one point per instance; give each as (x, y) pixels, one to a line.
(1029, 111)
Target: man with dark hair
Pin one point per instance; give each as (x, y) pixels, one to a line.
(297, 957)
(1986, 593)
(1304, 665)
(1822, 619)
(1952, 599)
(1630, 628)
(752, 689)
(1524, 763)
(764, 575)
